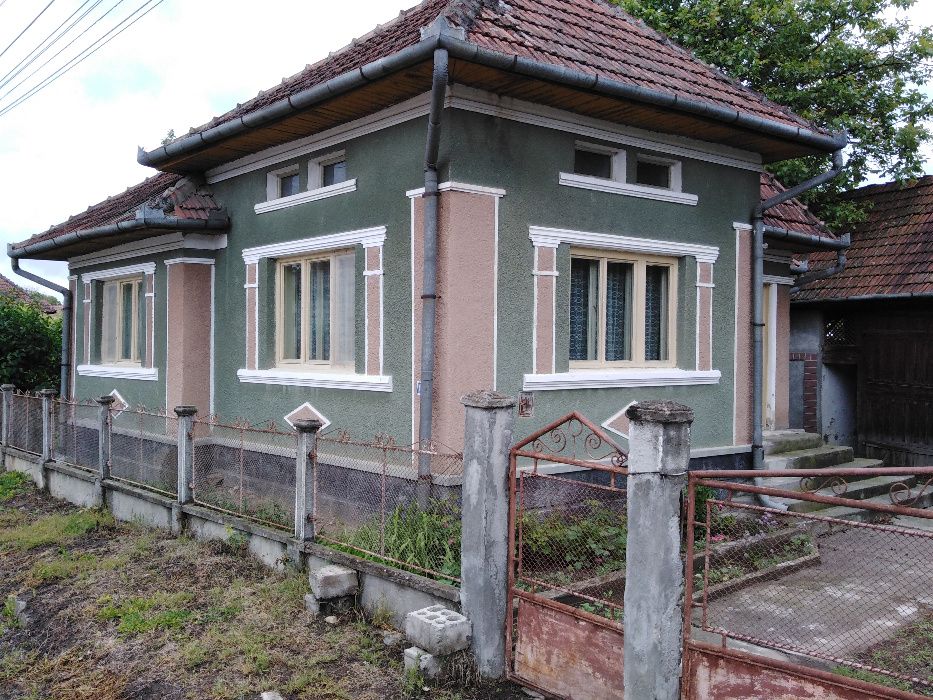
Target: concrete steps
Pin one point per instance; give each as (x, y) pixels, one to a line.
(856, 490)
(868, 516)
(811, 458)
(778, 441)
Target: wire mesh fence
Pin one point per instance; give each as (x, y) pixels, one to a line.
(370, 501)
(246, 470)
(144, 448)
(24, 429)
(847, 584)
(76, 432)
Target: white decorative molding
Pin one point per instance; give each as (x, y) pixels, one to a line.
(600, 184)
(306, 408)
(317, 380)
(607, 424)
(612, 379)
(461, 187)
(483, 102)
(720, 451)
(151, 246)
(141, 269)
(367, 237)
(781, 259)
(553, 237)
(777, 279)
(305, 197)
(189, 261)
(740, 226)
(143, 374)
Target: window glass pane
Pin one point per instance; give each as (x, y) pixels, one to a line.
(291, 311)
(653, 174)
(319, 322)
(344, 325)
(140, 321)
(656, 309)
(618, 311)
(334, 173)
(108, 334)
(593, 164)
(126, 321)
(584, 296)
(288, 185)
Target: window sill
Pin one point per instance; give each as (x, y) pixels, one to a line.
(318, 380)
(309, 196)
(615, 187)
(143, 374)
(618, 378)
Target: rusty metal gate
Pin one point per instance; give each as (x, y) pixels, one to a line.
(567, 561)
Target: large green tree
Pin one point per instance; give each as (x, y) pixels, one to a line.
(844, 64)
(30, 345)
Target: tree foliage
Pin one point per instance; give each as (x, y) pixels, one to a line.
(30, 345)
(843, 64)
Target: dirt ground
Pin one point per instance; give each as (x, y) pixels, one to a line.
(116, 612)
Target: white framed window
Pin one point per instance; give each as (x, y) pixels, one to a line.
(122, 335)
(623, 309)
(282, 183)
(328, 176)
(316, 311)
(593, 160)
(328, 170)
(663, 173)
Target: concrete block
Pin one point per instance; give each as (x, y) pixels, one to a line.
(333, 581)
(312, 605)
(419, 660)
(271, 695)
(438, 630)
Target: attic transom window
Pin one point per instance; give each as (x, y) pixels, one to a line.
(592, 160)
(657, 172)
(288, 185)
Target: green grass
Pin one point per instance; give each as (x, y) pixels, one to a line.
(160, 611)
(8, 619)
(869, 677)
(12, 484)
(58, 529)
(65, 566)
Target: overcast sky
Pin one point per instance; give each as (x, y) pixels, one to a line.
(74, 143)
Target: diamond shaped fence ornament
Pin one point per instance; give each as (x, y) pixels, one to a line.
(306, 412)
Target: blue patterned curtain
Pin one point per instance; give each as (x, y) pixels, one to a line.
(618, 311)
(583, 296)
(656, 312)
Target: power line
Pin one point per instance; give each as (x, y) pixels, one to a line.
(60, 51)
(34, 20)
(13, 72)
(74, 63)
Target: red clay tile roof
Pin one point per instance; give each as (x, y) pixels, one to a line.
(585, 35)
(10, 288)
(891, 251)
(160, 190)
(792, 215)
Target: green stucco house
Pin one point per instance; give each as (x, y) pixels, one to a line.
(542, 197)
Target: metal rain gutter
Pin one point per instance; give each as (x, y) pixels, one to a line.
(468, 51)
(67, 311)
(758, 243)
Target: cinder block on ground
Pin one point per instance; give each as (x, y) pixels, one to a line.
(333, 581)
(419, 660)
(438, 630)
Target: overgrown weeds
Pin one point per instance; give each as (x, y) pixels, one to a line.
(58, 529)
(12, 484)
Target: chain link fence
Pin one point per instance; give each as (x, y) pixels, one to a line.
(246, 470)
(368, 502)
(843, 584)
(25, 422)
(76, 432)
(144, 448)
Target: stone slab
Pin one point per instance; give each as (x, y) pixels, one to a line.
(333, 581)
(421, 661)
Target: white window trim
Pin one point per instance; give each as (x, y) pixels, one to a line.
(367, 237)
(317, 380)
(553, 237)
(316, 169)
(305, 197)
(618, 159)
(618, 378)
(128, 271)
(676, 171)
(274, 181)
(145, 374)
(599, 184)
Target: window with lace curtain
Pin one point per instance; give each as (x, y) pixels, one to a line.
(622, 309)
(316, 311)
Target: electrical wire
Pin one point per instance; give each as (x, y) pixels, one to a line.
(33, 55)
(81, 58)
(34, 20)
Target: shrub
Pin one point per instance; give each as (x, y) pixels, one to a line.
(30, 345)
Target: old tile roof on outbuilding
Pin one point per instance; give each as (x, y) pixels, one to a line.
(792, 215)
(589, 36)
(891, 252)
(11, 289)
(164, 191)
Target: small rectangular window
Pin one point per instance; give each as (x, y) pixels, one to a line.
(316, 310)
(123, 322)
(334, 173)
(653, 174)
(288, 185)
(592, 164)
(621, 309)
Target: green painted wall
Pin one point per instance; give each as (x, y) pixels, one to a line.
(476, 149)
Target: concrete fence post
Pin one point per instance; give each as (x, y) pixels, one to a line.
(659, 456)
(104, 432)
(48, 447)
(484, 557)
(305, 466)
(7, 393)
(185, 495)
